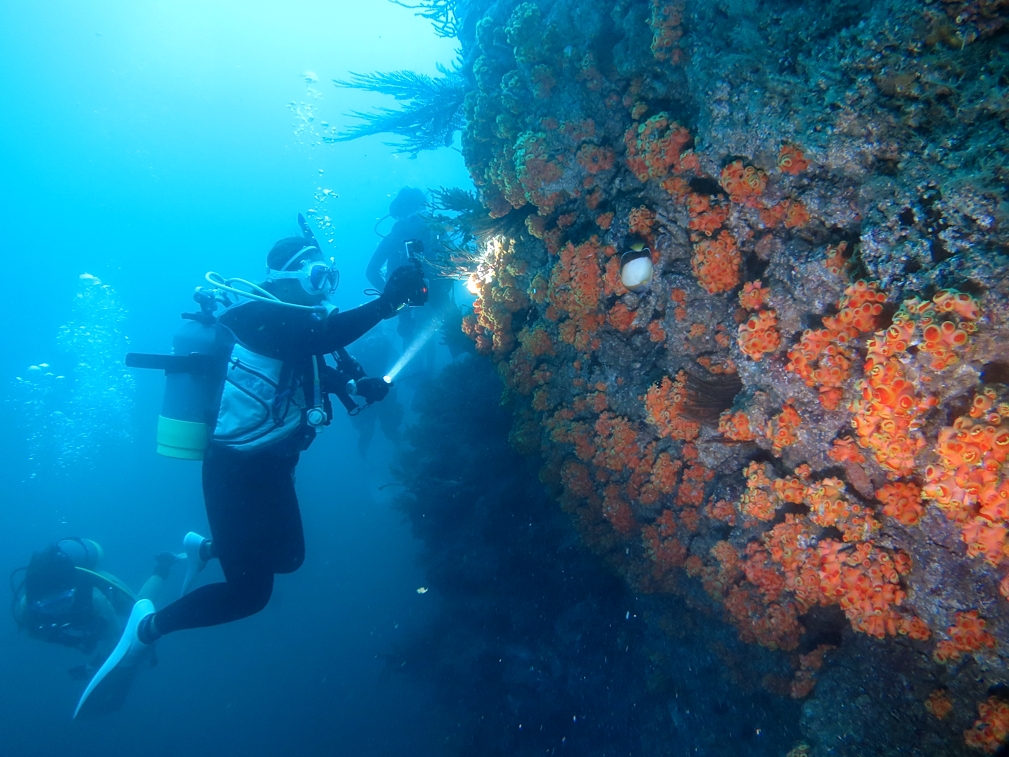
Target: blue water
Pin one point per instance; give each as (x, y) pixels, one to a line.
(145, 143)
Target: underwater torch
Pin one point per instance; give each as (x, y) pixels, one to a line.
(415, 346)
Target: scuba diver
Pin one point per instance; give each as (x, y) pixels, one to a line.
(411, 232)
(63, 598)
(273, 402)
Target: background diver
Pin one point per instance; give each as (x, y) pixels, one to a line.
(411, 226)
(273, 403)
(63, 597)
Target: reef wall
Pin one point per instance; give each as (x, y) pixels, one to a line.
(802, 421)
(535, 647)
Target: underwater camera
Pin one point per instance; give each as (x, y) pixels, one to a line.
(415, 251)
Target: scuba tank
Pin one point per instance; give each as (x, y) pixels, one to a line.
(189, 406)
(84, 553)
(194, 379)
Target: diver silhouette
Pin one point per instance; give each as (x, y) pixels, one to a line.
(273, 402)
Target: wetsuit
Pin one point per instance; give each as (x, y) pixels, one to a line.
(252, 507)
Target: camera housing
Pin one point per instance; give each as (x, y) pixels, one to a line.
(414, 249)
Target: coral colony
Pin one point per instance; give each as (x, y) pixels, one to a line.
(823, 201)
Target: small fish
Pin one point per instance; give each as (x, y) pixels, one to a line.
(422, 590)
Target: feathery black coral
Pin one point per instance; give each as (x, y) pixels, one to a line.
(443, 14)
(431, 116)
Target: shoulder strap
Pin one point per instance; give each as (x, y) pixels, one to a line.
(285, 392)
(109, 585)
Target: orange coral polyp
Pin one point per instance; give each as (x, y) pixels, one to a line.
(759, 335)
(991, 730)
(967, 634)
(753, 295)
(742, 182)
(953, 301)
(595, 159)
(710, 221)
(782, 429)
(796, 214)
(664, 405)
(654, 147)
(791, 160)
(736, 427)
(641, 221)
(716, 263)
(902, 501)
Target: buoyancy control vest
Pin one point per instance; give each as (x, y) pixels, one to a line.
(267, 401)
(219, 390)
(75, 624)
(81, 627)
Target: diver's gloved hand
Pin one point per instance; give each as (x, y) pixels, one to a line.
(163, 562)
(373, 389)
(406, 286)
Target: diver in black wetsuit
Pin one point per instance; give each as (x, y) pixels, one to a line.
(405, 209)
(273, 403)
(411, 226)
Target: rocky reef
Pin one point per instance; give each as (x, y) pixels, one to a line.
(535, 646)
(800, 423)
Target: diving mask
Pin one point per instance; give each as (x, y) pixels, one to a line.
(315, 276)
(55, 604)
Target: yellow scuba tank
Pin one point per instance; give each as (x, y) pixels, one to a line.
(194, 379)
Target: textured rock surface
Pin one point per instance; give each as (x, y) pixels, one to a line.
(822, 458)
